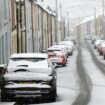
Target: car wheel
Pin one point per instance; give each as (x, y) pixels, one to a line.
(94, 47)
(52, 96)
(3, 97)
(64, 65)
(71, 54)
(45, 98)
(100, 53)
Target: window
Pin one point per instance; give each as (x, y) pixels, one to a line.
(5, 9)
(28, 59)
(2, 49)
(38, 21)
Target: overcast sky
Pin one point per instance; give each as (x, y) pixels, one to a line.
(78, 8)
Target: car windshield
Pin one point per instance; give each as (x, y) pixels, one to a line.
(28, 59)
(54, 51)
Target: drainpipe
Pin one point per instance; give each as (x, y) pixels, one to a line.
(25, 25)
(17, 17)
(32, 25)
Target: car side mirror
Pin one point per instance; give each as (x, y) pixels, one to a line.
(3, 68)
(44, 51)
(54, 65)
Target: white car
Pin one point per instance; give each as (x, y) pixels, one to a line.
(73, 39)
(97, 43)
(29, 75)
(63, 47)
(70, 46)
(57, 55)
(101, 48)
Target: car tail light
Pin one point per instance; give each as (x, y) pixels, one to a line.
(62, 56)
(49, 56)
(101, 48)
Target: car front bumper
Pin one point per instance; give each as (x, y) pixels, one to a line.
(26, 93)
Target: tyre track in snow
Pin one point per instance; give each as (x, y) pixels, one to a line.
(85, 82)
(99, 64)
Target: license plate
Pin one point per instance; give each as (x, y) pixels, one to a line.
(26, 82)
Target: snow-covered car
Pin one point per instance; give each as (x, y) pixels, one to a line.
(101, 48)
(97, 43)
(29, 75)
(104, 52)
(57, 55)
(88, 37)
(63, 47)
(73, 39)
(94, 39)
(2, 70)
(70, 46)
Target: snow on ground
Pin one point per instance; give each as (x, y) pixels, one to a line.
(7, 103)
(98, 80)
(101, 58)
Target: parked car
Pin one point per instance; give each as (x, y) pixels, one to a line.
(104, 52)
(101, 47)
(88, 37)
(57, 55)
(94, 39)
(70, 46)
(2, 70)
(63, 47)
(97, 43)
(73, 39)
(28, 76)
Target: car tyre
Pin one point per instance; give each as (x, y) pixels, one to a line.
(71, 53)
(100, 53)
(3, 97)
(104, 57)
(52, 96)
(64, 65)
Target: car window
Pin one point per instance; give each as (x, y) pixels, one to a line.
(28, 59)
(54, 51)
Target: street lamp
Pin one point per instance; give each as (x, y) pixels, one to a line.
(56, 25)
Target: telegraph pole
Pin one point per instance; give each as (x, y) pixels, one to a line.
(61, 21)
(103, 6)
(103, 17)
(56, 24)
(68, 24)
(95, 22)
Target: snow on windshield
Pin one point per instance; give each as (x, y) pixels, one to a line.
(28, 59)
(27, 63)
(54, 51)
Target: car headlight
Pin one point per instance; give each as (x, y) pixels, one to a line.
(9, 83)
(45, 82)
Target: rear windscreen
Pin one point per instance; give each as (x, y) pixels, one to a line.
(28, 59)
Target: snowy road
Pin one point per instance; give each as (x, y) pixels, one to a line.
(95, 69)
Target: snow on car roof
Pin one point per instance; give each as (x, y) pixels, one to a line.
(59, 46)
(29, 55)
(54, 48)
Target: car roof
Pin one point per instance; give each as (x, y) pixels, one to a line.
(54, 48)
(59, 46)
(29, 55)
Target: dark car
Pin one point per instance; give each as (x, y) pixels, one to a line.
(29, 76)
(2, 70)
